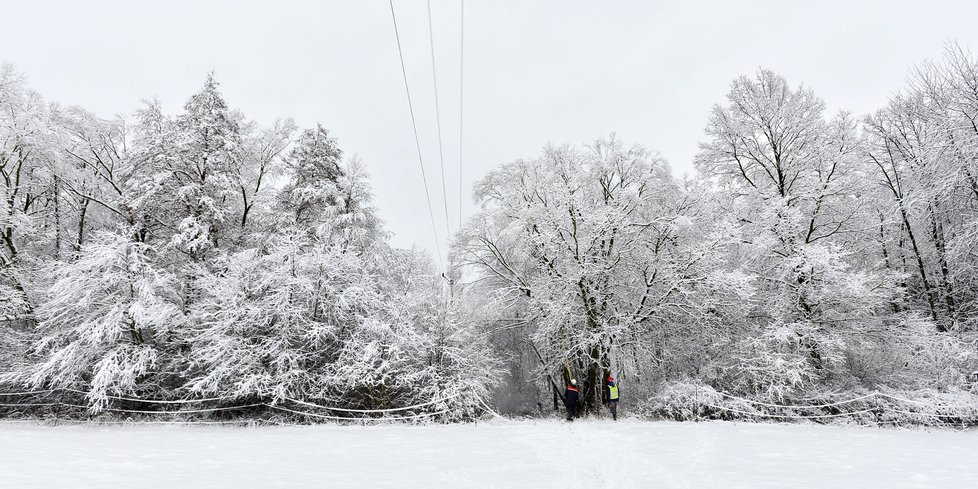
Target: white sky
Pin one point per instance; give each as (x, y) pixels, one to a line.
(535, 71)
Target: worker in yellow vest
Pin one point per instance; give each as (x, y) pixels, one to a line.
(611, 397)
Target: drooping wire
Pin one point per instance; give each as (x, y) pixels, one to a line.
(417, 140)
(461, 109)
(441, 152)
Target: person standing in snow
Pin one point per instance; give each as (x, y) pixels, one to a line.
(611, 397)
(571, 396)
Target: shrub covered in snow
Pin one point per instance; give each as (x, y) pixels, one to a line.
(688, 401)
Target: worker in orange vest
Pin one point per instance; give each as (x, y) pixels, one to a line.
(571, 396)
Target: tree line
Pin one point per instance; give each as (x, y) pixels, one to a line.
(200, 254)
(168, 256)
(811, 252)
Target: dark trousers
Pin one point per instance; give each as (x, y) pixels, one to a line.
(571, 411)
(613, 406)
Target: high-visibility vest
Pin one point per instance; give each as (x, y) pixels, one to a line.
(613, 392)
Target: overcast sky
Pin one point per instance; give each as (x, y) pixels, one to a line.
(535, 71)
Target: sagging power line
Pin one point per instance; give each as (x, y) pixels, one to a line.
(441, 153)
(441, 147)
(417, 140)
(461, 106)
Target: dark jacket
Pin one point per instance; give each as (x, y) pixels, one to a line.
(571, 395)
(607, 392)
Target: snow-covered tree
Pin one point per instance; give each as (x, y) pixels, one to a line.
(204, 171)
(792, 180)
(110, 324)
(271, 318)
(596, 250)
(262, 161)
(314, 170)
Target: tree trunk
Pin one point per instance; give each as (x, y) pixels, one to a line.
(82, 213)
(928, 289)
(895, 306)
(57, 218)
(597, 366)
(937, 234)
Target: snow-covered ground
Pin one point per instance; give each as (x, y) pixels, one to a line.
(589, 453)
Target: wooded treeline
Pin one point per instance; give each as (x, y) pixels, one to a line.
(813, 252)
(200, 254)
(169, 256)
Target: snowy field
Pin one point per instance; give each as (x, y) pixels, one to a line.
(498, 454)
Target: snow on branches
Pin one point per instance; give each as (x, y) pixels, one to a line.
(201, 254)
(161, 261)
(110, 322)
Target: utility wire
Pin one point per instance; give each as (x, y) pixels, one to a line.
(417, 141)
(461, 108)
(441, 152)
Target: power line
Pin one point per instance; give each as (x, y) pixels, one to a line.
(417, 141)
(441, 152)
(461, 108)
